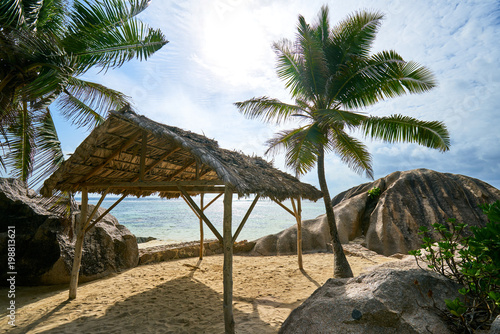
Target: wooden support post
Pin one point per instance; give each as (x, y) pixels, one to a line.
(197, 210)
(298, 209)
(201, 228)
(75, 270)
(244, 220)
(105, 213)
(228, 262)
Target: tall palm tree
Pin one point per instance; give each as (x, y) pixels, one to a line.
(45, 46)
(331, 75)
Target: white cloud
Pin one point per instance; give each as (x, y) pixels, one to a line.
(220, 52)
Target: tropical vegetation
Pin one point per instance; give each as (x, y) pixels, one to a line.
(332, 77)
(45, 48)
(473, 261)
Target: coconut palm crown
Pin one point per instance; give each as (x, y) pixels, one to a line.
(332, 76)
(45, 48)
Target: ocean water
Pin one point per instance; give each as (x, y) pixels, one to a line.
(173, 221)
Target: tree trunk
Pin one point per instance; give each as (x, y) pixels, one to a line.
(341, 267)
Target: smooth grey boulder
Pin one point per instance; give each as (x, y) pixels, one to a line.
(382, 301)
(315, 237)
(43, 245)
(389, 223)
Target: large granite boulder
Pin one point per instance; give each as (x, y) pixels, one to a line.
(43, 245)
(315, 237)
(382, 301)
(390, 222)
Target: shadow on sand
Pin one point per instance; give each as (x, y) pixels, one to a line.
(167, 308)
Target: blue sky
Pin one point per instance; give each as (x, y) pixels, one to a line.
(220, 53)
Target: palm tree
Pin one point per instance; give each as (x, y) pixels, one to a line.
(45, 46)
(331, 75)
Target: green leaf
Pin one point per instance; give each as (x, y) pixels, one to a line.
(269, 110)
(398, 128)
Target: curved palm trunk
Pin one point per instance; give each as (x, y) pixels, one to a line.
(341, 267)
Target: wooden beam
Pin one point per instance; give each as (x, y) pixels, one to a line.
(77, 259)
(154, 184)
(182, 169)
(213, 201)
(105, 213)
(96, 207)
(171, 189)
(200, 213)
(126, 157)
(191, 190)
(157, 162)
(142, 164)
(244, 220)
(298, 209)
(228, 263)
(283, 206)
(113, 155)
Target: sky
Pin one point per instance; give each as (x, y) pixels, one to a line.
(219, 52)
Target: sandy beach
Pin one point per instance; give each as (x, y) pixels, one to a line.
(183, 296)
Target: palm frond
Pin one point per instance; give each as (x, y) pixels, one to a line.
(322, 25)
(133, 39)
(88, 16)
(334, 117)
(399, 128)
(289, 67)
(314, 73)
(52, 17)
(301, 147)
(85, 103)
(79, 113)
(355, 35)
(49, 155)
(108, 35)
(416, 78)
(269, 110)
(39, 65)
(17, 13)
(21, 145)
(384, 75)
(351, 151)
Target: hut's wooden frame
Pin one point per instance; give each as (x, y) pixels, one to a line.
(132, 155)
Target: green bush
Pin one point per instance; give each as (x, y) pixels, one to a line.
(374, 192)
(472, 261)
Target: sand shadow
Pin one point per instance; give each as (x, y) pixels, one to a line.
(46, 316)
(26, 295)
(167, 308)
(312, 280)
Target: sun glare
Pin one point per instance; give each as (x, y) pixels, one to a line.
(232, 46)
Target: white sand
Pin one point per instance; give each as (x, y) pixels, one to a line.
(182, 296)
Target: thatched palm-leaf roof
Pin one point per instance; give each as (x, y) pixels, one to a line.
(131, 154)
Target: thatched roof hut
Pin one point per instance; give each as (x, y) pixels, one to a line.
(112, 156)
(130, 154)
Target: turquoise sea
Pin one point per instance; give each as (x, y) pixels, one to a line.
(173, 221)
